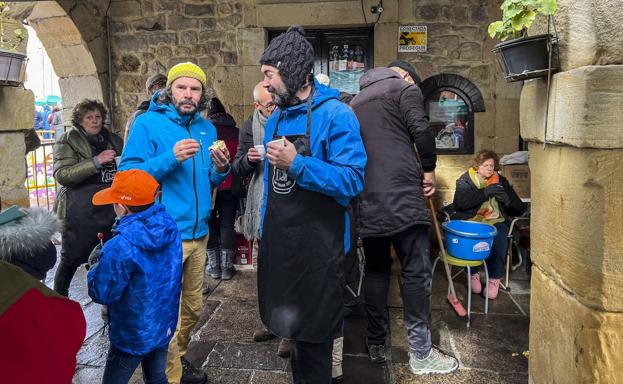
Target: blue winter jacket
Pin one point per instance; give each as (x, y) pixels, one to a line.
(186, 187)
(338, 158)
(139, 277)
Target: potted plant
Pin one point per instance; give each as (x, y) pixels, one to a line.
(523, 57)
(11, 61)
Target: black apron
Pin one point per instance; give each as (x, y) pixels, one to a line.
(83, 220)
(300, 263)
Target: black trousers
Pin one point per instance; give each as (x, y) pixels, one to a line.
(311, 362)
(221, 224)
(64, 274)
(412, 248)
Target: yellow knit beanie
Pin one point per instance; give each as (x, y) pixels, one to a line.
(186, 70)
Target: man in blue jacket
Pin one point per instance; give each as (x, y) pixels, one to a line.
(316, 162)
(171, 141)
(137, 274)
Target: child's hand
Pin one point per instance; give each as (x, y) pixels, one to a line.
(95, 255)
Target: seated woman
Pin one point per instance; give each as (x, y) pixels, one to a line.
(484, 195)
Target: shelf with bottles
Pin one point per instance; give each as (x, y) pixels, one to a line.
(346, 58)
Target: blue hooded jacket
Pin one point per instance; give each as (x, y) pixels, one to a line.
(139, 277)
(338, 158)
(186, 187)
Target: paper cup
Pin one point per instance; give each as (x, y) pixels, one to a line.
(261, 149)
(117, 160)
(278, 141)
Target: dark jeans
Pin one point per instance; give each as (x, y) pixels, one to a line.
(497, 257)
(120, 366)
(412, 248)
(311, 362)
(64, 274)
(222, 227)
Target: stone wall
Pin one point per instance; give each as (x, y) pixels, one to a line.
(226, 38)
(577, 200)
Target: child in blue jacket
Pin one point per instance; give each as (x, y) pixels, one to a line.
(138, 275)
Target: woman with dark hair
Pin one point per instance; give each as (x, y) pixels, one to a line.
(222, 241)
(84, 163)
(483, 195)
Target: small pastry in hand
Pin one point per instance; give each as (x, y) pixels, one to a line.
(218, 144)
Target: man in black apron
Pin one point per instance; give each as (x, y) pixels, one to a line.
(315, 166)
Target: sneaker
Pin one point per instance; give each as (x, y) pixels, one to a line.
(283, 350)
(377, 353)
(476, 284)
(192, 374)
(262, 334)
(494, 287)
(435, 362)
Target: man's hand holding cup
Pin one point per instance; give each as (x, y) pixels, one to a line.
(185, 149)
(281, 153)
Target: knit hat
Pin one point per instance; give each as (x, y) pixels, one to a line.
(407, 67)
(133, 187)
(155, 79)
(186, 70)
(292, 55)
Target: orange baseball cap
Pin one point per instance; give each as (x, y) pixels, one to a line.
(133, 187)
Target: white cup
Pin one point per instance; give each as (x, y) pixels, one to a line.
(117, 160)
(261, 149)
(278, 141)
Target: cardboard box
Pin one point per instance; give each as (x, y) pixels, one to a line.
(243, 252)
(518, 176)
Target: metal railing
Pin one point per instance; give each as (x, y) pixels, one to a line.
(40, 180)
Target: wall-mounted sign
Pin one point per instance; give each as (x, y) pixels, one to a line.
(412, 38)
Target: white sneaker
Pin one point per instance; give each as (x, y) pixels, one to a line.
(435, 362)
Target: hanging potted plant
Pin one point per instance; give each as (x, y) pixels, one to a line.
(524, 57)
(11, 61)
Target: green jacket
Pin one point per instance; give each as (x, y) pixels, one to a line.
(73, 163)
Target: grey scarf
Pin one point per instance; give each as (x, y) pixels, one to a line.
(255, 194)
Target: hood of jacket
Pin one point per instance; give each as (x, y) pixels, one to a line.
(28, 234)
(148, 230)
(376, 75)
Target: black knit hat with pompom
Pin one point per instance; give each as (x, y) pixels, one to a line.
(292, 55)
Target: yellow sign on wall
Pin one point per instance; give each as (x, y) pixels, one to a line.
(412, 38)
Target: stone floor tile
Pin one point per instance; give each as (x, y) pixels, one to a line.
(523, 301)
(402, 375)
(242, 287)
(209, 306)
(228, 376)
(232, 321)
(490, 342)
(86, 375)
(198, 351)
(270, 377)
(361, 370)
(256, 356)
(93, 316)
(95, 350)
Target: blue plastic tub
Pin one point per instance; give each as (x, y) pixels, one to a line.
(469, 240)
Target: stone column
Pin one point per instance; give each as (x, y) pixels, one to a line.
(576, 332)
(17, 109)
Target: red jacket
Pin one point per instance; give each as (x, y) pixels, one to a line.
(40, 331)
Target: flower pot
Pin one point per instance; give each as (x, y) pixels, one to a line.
(526, 58)
(12, 68)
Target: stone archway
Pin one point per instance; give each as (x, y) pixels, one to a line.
(69, 53)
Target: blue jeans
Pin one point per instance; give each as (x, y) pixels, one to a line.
(497, 257)
(120, 366)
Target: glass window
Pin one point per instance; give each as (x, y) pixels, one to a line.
(346, 65)
(451, 121)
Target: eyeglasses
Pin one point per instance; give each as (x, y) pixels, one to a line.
(270, 106)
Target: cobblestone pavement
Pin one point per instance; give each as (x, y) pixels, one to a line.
(492, 350)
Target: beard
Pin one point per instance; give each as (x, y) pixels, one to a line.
(283, 98)
(179, 103)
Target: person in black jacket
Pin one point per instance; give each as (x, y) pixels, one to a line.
(392, 209)
(484, 195)
(154, 84)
